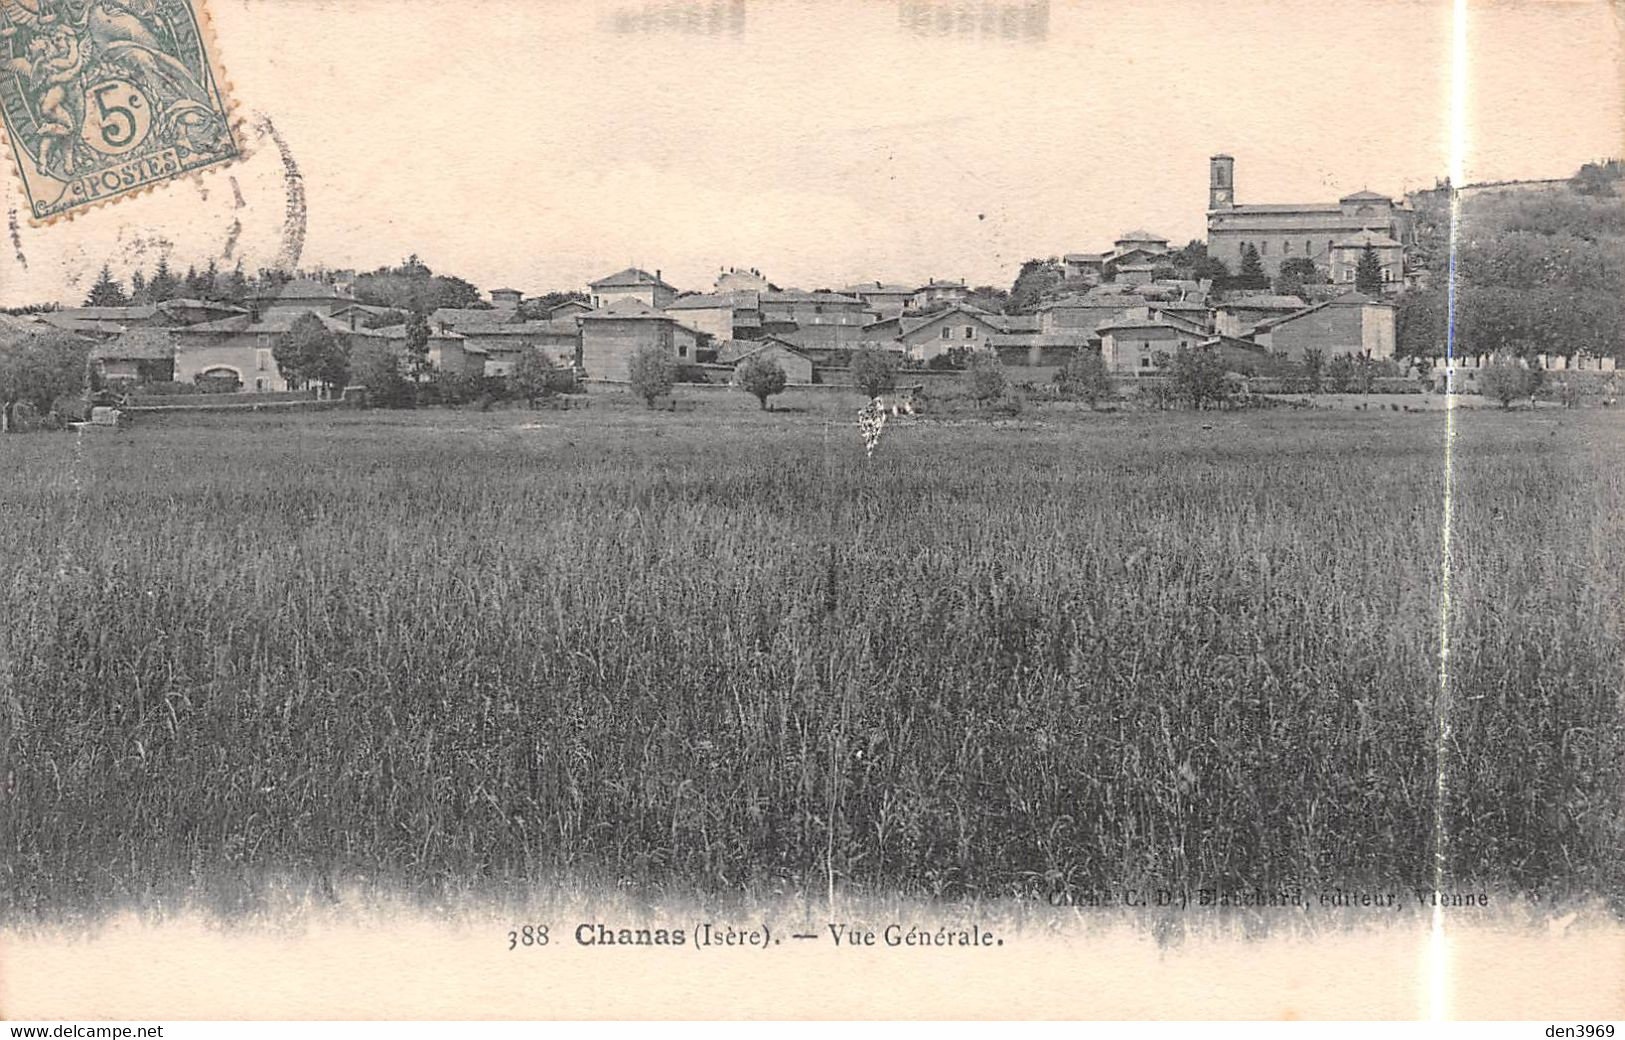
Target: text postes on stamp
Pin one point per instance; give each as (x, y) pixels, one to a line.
(102, 98)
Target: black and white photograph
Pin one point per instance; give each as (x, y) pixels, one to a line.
(812, 510)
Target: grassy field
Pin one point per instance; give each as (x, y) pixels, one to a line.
(721, 650)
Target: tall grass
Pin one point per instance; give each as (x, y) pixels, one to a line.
(666, 651)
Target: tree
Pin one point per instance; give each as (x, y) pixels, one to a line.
(1296, 272)
(310, 353)
(1368, 272)
(37, 368)
(1252, 265)
(1340, 374)
(1209, 268)
(413, 287)
(379, 371)
(874, 372)
(163, 285)
(535, 375)
(417, 346)
(1199, 377)
(138, 288)
(984, 379)
(197, 285)
(236, 287)
(761, 377)
(107, 292)
(1036, 281)
(988, 298)
(1420, 326)
(1313, 366)
(1505, 380)
(538, 308)
(652, 372)
(1085, 376)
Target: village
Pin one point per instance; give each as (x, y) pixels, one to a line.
(1277, 294)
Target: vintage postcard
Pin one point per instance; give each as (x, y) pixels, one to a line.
(812, 509)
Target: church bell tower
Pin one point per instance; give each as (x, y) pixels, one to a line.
(1221, 182)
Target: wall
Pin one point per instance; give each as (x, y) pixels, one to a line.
(1330, 330)
(254, 364)
(1134, 350)
(607, 344)
(927, 342)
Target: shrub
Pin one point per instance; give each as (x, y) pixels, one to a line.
(874, 372)
(652, 373)
(984, 379)
(1085, 377)
(761, 377)
(1505, 380)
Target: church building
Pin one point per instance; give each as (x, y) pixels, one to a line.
(1325, 232)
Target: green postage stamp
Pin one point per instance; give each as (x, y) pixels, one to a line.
(104, 98)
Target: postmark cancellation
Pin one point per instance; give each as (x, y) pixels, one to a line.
(104, 98)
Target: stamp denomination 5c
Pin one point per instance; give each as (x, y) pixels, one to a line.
(103, 98)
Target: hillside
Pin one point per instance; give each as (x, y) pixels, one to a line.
(1540, 269)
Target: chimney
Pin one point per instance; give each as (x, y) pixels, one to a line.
(657, 275)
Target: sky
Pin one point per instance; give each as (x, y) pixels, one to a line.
(539, 144)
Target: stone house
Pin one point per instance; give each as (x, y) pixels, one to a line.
(1350, 324)
(798, 367)
(611, 336)
(136, 356)
(883, 300)
(720, 315)
(958, 326)
(633, 285)
(1130, 346)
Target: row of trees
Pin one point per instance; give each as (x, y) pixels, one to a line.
(164, 283)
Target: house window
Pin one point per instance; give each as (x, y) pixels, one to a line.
(259, 385)
(682, 350)
(947, 333)
(1263, 249)
(1286, 248)
(970, 332)
(1308, 247)
(1145, 362)
(262, 360)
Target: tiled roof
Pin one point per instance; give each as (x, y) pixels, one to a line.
(1267, 302)
(242, 323)
(936, 284)
(1157, 322)
(733, 351)
(137, 312)
(552, 327)
(136, 345)
(632, 277)
(878, 289)
(1140, 236)
(1365, 196)
(801, 296)
(1086, 258)
(399, 332)
(1352, 299)
(627, 310)
(456, 316)
(714, 301)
